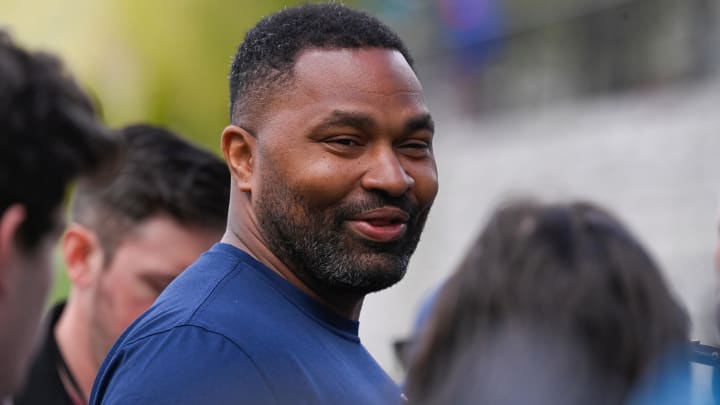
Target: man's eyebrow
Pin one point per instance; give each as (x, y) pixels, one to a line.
(419, 123)
(365, 122)
(347, 119)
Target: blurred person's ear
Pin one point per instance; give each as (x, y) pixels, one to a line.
(238, 146)
(83, 255)
(10, 221)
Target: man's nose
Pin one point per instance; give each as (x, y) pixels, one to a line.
(386, 173)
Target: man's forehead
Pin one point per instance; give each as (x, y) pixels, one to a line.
(354, 65)
(363, 80)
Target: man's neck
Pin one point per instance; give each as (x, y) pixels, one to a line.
(345, 305)
(73, 340)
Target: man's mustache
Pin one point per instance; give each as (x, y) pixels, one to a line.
(375, 201)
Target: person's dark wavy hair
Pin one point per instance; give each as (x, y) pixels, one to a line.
(265, 59)
(160, 174)
(49, 134)
(571, 270)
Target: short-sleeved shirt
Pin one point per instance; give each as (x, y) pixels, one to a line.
(230, 330)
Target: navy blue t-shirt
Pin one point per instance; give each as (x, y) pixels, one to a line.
(229, 330)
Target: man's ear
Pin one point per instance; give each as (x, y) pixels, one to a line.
(10, 221)
(238, 146)
(83, 255)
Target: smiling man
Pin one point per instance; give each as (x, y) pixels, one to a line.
(333, 176)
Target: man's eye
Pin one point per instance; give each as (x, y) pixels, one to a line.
(157, 286)
(344, 142)
(416, 145)
(416, 148)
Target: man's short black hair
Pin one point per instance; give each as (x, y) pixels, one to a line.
(160, 174)
(266, 57)
(49, 134)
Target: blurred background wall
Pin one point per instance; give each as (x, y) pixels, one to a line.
(610, 100)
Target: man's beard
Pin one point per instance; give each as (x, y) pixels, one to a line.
(320, 249)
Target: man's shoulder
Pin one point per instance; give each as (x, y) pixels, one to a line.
(222, 293)
(250, 336)
(192, 364)
(182, 364)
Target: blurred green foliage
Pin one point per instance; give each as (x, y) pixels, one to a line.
(62, 283)
(186, 48)
(161, 61)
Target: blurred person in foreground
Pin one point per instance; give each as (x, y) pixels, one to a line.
(126, 242)
(553, 304)
(49, 134)
(330, 151)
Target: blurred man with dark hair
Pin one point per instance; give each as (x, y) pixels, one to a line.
(127, 241)
(330, 150)
(49, 134)
(554, 304)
